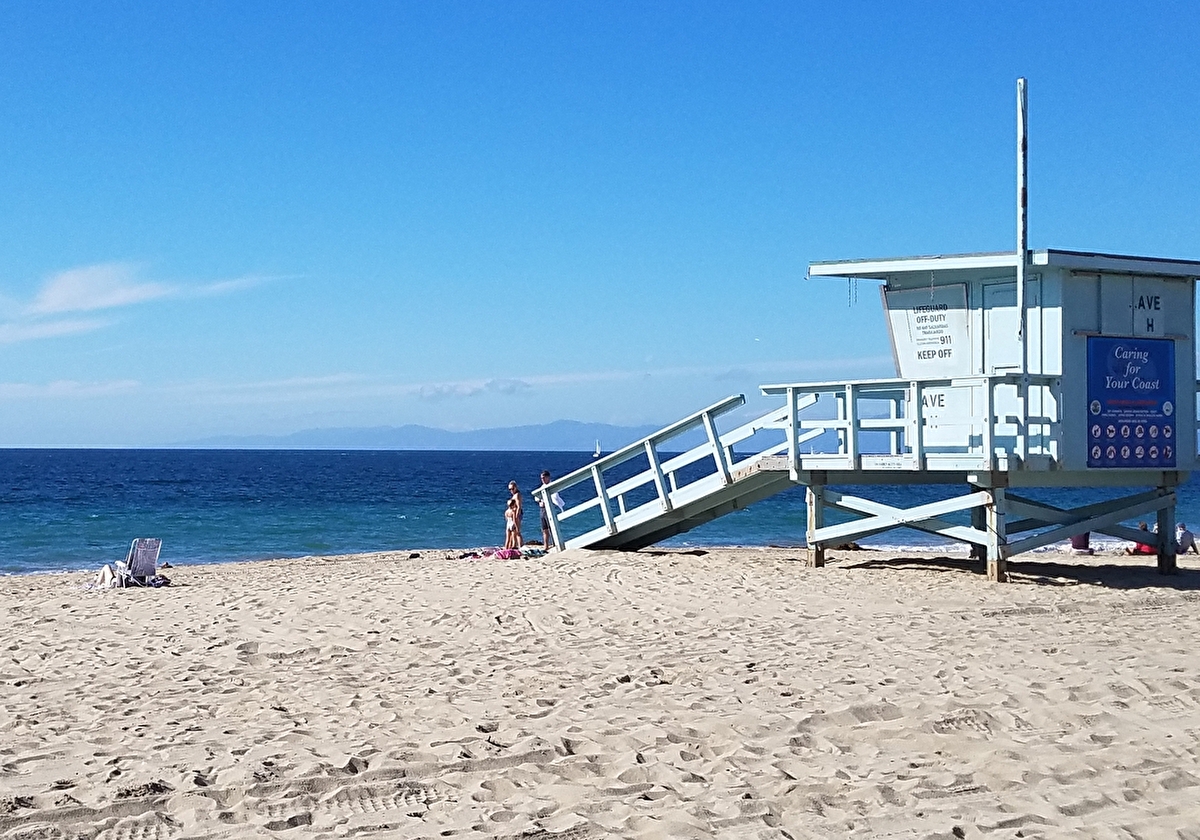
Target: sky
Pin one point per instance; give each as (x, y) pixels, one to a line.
(259, 218)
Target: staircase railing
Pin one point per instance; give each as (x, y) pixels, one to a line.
(667, 480)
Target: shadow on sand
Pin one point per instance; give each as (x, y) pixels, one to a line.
(1113, 574)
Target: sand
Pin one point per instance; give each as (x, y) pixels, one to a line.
(730, 693)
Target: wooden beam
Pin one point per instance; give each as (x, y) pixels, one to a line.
(895, 517)
(852, 426)
(718, 452)
(602, 495)
(659, 482)
(989, 426)
(918, 425)
(1038, 514)
(816, 519)
(1166, 539)
(1094, 523)
(894, 437)
(793, 432)
(855, 504)
(997, 546)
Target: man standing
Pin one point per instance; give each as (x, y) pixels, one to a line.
(546, 535)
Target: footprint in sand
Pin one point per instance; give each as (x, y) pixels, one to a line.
(959, 720)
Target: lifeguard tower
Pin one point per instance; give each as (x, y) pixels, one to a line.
(1014, 370)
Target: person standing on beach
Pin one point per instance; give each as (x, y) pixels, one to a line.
(515, 498)
(510, 525)
(545, 513)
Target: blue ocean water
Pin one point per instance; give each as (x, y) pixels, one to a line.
(76, 509)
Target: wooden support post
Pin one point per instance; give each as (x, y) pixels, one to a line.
(1020, 450)
(714, 440)
(816, 520)
(917, 440)
(989, 425)
(978, 521)
(894, 434)
(660, 483)
(852, 428)
(793, 433)
(602, 494)
(997, 559)
(1166, 540)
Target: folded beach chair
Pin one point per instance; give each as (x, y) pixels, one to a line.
(141, 564)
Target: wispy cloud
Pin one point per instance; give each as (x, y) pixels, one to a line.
(111, 285)
(17, 331)
(65, 389)
(273, 391)
(225, 287)
(95, 288)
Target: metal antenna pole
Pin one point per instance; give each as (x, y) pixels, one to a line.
(1022, 218)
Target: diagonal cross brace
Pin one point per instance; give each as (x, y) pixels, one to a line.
(1127, 508)
(1039, 514)
(884, 517)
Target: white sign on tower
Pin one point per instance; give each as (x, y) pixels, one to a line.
(929, 331)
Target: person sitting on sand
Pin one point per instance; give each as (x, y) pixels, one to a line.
(1142, 547)
(1184, 540)
(515, 495)
(510, 525)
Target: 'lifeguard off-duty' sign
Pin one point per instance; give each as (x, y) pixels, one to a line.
(1131, 402)
(929, 331)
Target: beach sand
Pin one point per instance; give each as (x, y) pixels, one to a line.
(727, 693)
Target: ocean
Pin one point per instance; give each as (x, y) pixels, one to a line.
(78, 508)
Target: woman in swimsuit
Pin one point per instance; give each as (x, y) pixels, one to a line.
(516, 499)
(510, 525)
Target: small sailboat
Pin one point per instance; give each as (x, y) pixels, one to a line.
(596, 454)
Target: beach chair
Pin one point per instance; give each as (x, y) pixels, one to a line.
(141, 563)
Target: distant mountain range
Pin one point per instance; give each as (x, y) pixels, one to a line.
(559, 436)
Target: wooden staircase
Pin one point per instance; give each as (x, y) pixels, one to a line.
(644, 493)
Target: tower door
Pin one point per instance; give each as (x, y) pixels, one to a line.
(1001, 350)
(1001, 320)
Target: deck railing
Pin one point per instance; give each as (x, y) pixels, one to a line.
(997, 422)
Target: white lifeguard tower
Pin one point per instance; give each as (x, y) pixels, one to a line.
(1015, 370)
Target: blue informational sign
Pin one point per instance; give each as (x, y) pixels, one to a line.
(1131, 402)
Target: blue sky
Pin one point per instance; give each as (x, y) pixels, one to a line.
(258, 218)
